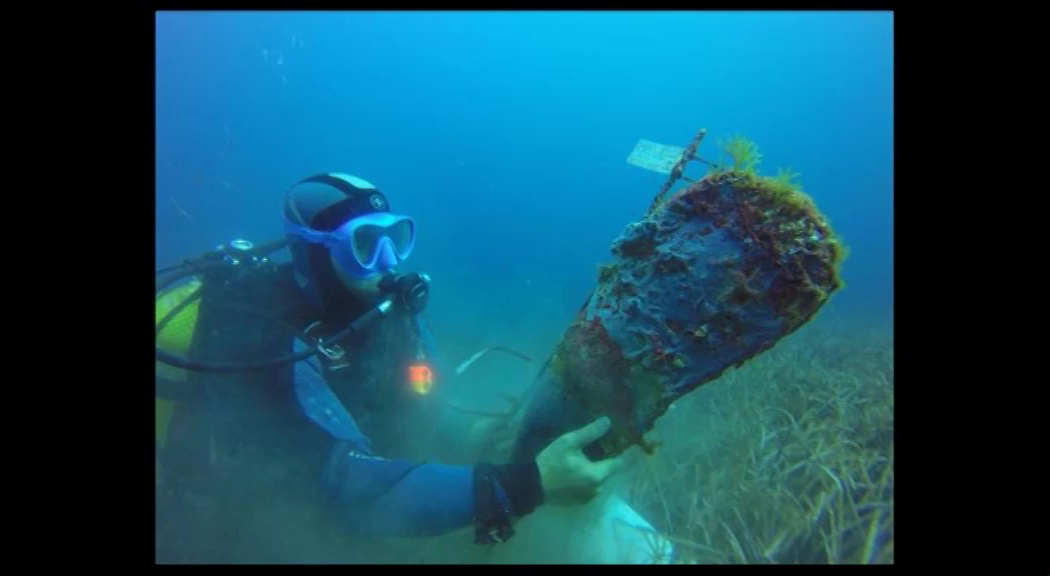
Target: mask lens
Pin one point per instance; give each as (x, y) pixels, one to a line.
(400, 234)
(365, 241)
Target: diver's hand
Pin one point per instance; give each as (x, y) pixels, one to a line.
(567, 475)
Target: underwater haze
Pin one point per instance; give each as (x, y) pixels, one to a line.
(506, 136)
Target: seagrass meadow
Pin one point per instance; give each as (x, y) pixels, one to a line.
(787, 459)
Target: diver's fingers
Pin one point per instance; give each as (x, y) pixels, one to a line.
(604, 469)
(589, 433)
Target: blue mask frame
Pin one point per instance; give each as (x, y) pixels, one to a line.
(366, 245)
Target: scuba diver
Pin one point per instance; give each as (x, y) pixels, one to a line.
(302, 392)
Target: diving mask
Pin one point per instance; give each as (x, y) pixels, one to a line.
(365, 245)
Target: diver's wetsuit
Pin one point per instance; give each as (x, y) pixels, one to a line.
(260, 440)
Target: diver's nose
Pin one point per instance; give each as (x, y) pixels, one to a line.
(387, 258)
